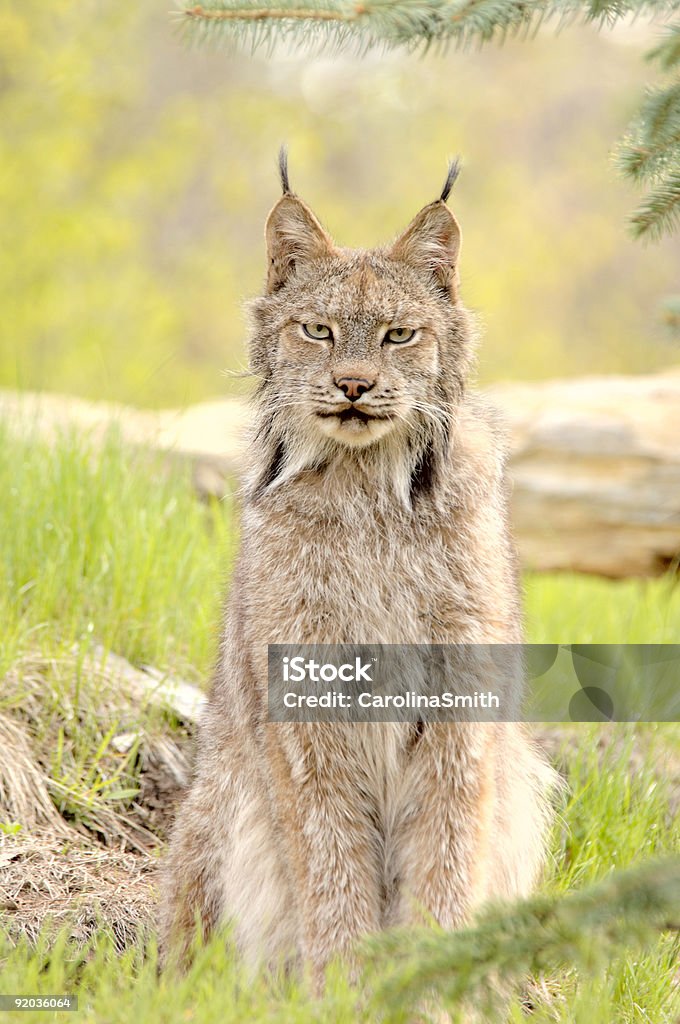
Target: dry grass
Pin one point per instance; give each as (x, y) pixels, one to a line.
(49, 881)
(82, 748)
(24, 786)
(73, 850)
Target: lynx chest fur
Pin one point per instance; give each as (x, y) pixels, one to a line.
(335, 560)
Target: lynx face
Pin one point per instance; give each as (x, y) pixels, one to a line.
(357, 349)
(337, 352)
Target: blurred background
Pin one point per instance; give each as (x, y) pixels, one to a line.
(135, 178)
(136, 174)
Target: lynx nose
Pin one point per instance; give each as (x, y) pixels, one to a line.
(354, 387)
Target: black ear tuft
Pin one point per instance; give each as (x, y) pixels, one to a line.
(454, 171)
(283, 171)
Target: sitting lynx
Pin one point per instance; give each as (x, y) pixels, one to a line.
(375, 512)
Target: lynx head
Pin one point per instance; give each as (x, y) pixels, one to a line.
(361, 354)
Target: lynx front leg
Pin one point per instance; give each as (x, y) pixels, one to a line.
(442, 849)
(191, 877)
(331, 841)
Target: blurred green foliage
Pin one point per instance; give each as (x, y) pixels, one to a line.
(135, 176)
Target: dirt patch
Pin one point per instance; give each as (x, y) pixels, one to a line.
(163, 780)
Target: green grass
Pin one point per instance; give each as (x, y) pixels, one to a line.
(570, 608)
(112, 546)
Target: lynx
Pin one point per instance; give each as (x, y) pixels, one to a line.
(375, 511)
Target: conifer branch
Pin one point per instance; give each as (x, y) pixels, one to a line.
(582, 929)
(670, 315)
(650, 154)
(200, 13)
(667, 53)
(402, 22)
(659, 213)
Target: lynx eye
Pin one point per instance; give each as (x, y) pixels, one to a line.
(319, 332)
(400, 335)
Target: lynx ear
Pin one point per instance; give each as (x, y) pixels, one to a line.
(293, 235)
(431, 243)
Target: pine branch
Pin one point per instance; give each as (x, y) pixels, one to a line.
(659, 213)
(583, 929)
(652, 147)
(200, 12)
(611, 11)
(661, 113)
(415, 24)
(648, 162)
(651, 151)
(667, 53)
(670, 315)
